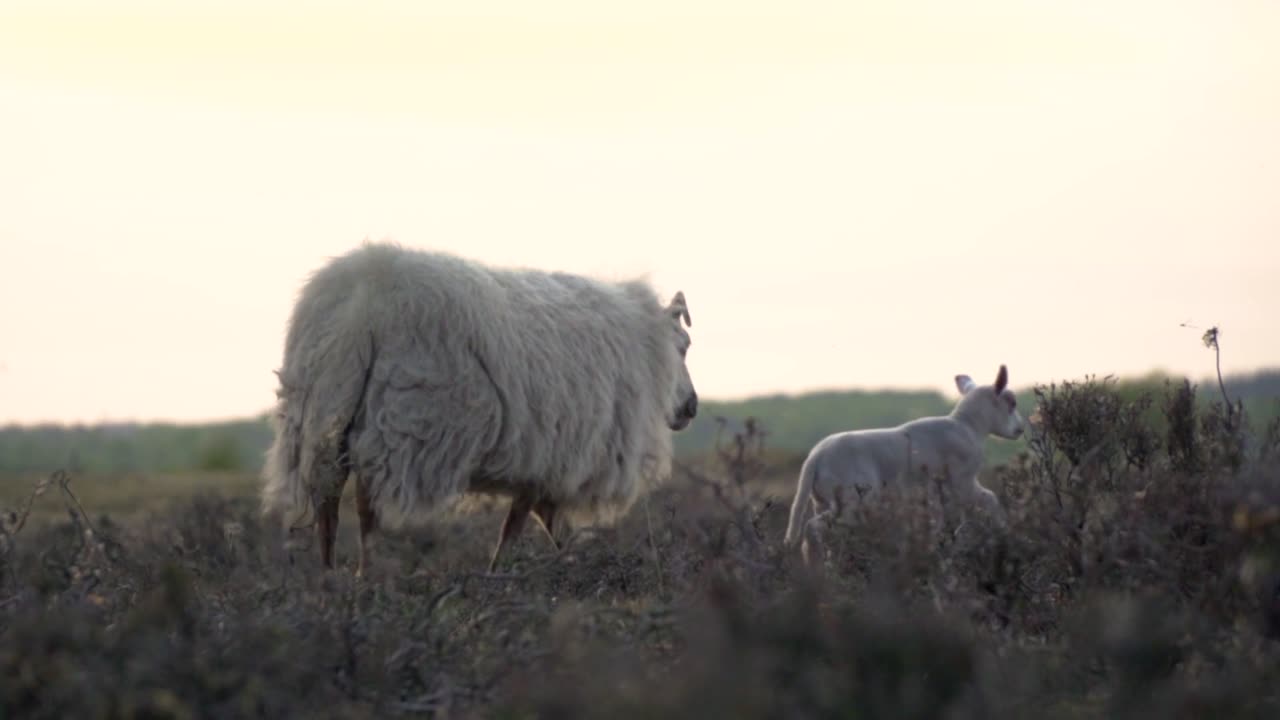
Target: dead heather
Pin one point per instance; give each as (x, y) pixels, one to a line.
(1140, 577)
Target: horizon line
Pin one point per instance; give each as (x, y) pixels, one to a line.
(1156, 373)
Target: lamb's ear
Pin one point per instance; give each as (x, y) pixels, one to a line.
(1002, 379)
(964, 384)
(679, 308)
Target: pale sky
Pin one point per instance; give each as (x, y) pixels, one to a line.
(850, 194)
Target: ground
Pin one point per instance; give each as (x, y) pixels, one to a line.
(169, 597)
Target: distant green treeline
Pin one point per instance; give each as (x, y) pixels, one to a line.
(793, 423)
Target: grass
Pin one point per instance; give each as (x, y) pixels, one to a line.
(127, 498)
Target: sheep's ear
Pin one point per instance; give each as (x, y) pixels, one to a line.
(1002, 379)
(679, 308)
(964, 384)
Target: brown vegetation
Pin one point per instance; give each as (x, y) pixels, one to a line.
(1140, 577)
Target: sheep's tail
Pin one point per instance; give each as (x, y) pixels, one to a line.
(804, 488)
(322, 388)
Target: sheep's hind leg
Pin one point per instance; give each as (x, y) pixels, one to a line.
(327, 529)
(511, 526)
(368, 523)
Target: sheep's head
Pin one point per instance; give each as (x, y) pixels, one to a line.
(684, 405)
(991, 408)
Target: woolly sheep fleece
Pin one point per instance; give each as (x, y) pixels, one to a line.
(429, 375)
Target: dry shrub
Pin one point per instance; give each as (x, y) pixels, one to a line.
(1139, 577)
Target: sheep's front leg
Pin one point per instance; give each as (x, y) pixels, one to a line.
(545, 512)
(511, 526)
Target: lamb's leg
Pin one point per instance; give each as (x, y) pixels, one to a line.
(545, 512)
(327, 529)
(812, 548)
(987, 501)
(511, 526)
(368, 523)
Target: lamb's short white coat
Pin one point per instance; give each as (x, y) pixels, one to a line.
(845, 466)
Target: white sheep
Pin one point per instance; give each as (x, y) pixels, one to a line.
(429, 376)
(855, 464)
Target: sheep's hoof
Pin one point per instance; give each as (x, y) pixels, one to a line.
(367, 572)
(329, 580)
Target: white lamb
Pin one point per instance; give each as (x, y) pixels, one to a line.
(853, 464)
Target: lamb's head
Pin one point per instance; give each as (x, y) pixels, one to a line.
(990, 408)
(684, 399)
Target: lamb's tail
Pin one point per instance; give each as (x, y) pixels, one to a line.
(322, 387)
(804, 488)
